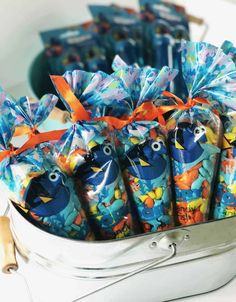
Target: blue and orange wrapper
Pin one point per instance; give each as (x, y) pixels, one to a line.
(194, 147)
(40, 191)
(195, 134)
(224, 201)
(87, 151)
(142, 147)
(30, 113)
(99, 93)
(145, 164)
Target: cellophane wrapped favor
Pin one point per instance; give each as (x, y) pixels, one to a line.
(142, 148)
(145, 165)
(224, 201)
(87, 151)
(196, 132)
(37, 187)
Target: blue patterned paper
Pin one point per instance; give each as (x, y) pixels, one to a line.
(32, 113)
(99, 93)
(209, 73)
(146, 170)
(40, 191)
(87, 151)
(143, 84)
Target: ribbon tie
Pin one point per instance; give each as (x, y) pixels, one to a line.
(7, 153)
(191, 102)
(147, 111)
(79, 112)
(25, 130)
(35, 140)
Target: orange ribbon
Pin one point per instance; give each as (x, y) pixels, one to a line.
(79, 112)
(32, 142)
(25, 130)
(191, 102)
(147, 111)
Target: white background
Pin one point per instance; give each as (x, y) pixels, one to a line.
(20, 22)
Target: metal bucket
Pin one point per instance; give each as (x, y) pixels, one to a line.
(148, 267)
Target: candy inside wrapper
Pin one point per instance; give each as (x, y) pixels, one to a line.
(194, 147)
(142, 148)
(145, 164)
(225, 196)
(40, 191)
(195, 131)
(224, 201)
(87, 151)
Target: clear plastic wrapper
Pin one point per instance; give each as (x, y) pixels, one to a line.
(30, 114)
(224, 201)
(224, 204)
(87, 151)
(194, 147)
(196, 132)
(142, 148)
(141, 85)
(35, 184)
(99, 93)
(144, 161)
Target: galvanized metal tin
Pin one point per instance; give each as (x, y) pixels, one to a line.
(137, 267)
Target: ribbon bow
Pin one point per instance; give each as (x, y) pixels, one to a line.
(32, 142)
(146, 111)
(25, 130)
(191, 102)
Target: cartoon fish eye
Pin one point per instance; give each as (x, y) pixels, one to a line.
(199, 130)
(156, 146)
(107, 149)
(53, 176)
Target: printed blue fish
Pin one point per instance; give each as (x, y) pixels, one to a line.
(145, 160)
(187, 142)
(46, 194)
(100, 166)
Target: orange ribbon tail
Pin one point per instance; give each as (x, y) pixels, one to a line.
(32, 142)
(79, 112)
(191, 102)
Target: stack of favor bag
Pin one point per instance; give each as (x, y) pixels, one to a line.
(136, 158)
